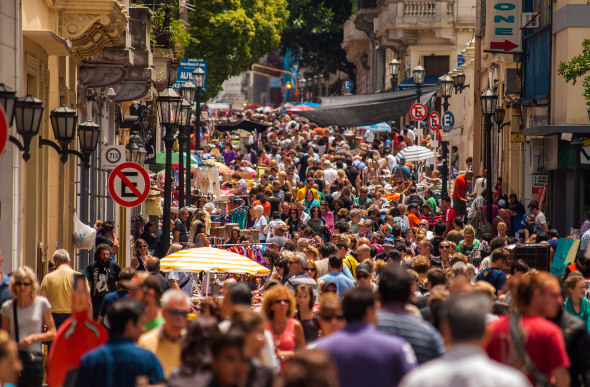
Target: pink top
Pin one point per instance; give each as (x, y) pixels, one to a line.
(329, 218)
(286, 340)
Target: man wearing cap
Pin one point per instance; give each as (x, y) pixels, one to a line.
(308, 186)
(364, 277)
(388, 245)
(145, 288)
(401, 170)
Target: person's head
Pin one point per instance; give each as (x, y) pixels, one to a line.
(258, 211)
(533, 207)
(235, 294)
(439, 228)
(144, 288)
(305, 296)
(575, 285)
(152, 264)
(278, 301)
(10, 364)
(309, 368)
(252, 325)
(184, 214)
(293, 213)
(141, 247)
(463, 320)
(425, 248)
(175, 309)
(364, 252)
(445, 202)
(519, 267)
(335, 262)
(200, 334)
(395, 285)
(107, 228)
(538, 293)
(315, 212)
(127, 319)
(297, 262)
(358, 305)
(364, 275)
(458, 224)
(499, 257)
(60, 257)
(502, 229)
(102, 254)
(228, 365)
(23, 284)
(469, 235)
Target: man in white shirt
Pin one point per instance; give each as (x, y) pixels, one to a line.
(330, 174)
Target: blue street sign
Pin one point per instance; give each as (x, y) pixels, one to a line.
(185, 72)
(348, 85)
(448, 121)
(460, 60)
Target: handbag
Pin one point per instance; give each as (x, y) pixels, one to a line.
(32, 371)
(541, 380)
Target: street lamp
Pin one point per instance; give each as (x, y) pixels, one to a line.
(7, 99)
(88, 134)
(27, 111)
(199, 77)
(418, 74)
(184, 125)
(189, 93)
(499, 119)
(136, 151)
(446, 85)
(169, 103)
(393, 72)
(459, 80)
(489, 102)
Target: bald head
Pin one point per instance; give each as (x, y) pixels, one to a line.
(364, 252)
(152, 264)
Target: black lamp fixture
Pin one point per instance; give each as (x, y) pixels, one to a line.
(184, 124)
(446, 86)
(393, 72)
(136, 152)
(418, 73)
(459, 80)
(199, 79)
(27, 111)
(499, 118)
(169, 103)
(63, 122)
(7, 100)
(588, 110)
(489, 104)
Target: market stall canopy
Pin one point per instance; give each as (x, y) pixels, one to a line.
(211, 260)
(248, 125)
(380, 127)
(367, 109)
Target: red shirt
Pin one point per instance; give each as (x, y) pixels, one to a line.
(449, 216)
(543, 342)
(414, 220)
(460, 190)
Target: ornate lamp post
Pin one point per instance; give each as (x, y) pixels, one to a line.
(135, 149)
(199, 76)
(459, 80)
(169, 103)
(184, 127)
(446, 85)
(27, 111)
(418, 74)
(393, 72)
(489, 103)
(7, 99)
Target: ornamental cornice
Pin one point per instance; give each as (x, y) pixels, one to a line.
(91, 25)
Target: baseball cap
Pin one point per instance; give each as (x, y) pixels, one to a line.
(326, 286)
(388, 242)
(136, 281)
(363, 268)
(309, 180)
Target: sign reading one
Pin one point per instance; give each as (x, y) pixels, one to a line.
(434, 121)
(112, 156)
(185, 72)
(448, 121)
(348, 85)
(129, 184)
(503, 33)
(3, 131)
(418, 112)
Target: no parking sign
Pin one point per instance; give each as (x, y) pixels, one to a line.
(129, 184)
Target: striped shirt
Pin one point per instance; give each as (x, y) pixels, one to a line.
(423, 337)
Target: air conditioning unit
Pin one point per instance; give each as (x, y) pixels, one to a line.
(529, 19)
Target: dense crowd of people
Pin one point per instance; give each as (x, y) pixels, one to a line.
(375, 279)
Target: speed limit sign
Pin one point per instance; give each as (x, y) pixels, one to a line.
(112, 156)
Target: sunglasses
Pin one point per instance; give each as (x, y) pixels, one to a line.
(278, 302)
(26, 284)
(178, 312)
(333, 317)
(311, 269)
(143, 246)
(330, 291)
(362, 276)
(292, 262)
(444, 247)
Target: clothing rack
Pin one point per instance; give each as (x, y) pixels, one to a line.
(250, 244)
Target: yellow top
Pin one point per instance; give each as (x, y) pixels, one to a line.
(57, 288)
(301, 194)
(167, 352)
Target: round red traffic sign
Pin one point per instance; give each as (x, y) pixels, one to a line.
(129, 184)
(418, 112)
(434, 121)
(3, 131)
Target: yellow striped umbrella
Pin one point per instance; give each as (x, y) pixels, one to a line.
(211, 260)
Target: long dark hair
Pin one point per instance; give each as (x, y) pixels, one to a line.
(201, 334)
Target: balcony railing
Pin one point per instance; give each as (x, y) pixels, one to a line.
(427, 8)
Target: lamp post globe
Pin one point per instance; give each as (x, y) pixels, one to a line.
(419, 74)
(199, 78)
(64, 121)
(88, 135)
(188, 91)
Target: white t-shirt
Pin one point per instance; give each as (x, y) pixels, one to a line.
(369, 136)
(480, 186)
(30, 320)
(330, 174)
(391, 161)
(412, 136)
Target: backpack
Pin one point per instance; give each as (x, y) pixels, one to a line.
(415, 200)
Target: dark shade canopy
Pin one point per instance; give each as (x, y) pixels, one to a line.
(247, 125)
(367, 109)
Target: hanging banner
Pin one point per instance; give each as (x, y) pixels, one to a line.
(503, 26)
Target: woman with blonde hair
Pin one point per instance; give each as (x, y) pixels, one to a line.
(279, 306)
(24, 318)
(576, 303)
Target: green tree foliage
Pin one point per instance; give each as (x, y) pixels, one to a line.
(578, 66)
(232, 35)
(315, 31)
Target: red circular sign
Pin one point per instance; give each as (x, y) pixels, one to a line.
(3, 131)
(434, 121)
(418, 112)
(129, 184)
